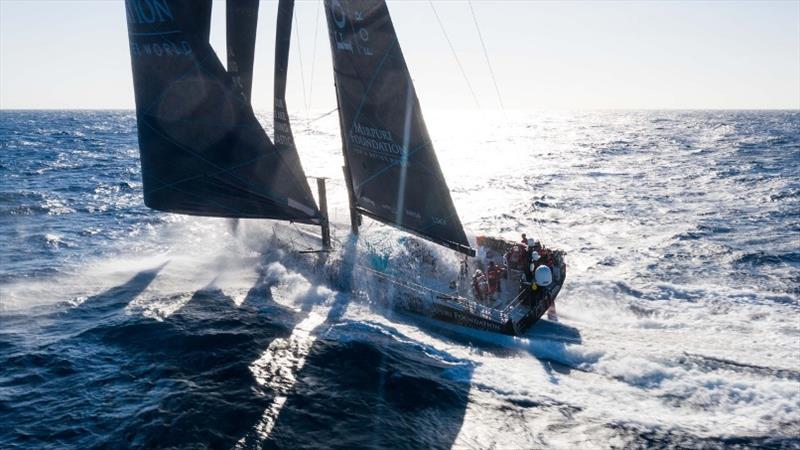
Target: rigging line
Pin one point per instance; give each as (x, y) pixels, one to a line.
(453, 51)
(541, 229)
(300, 235)
(322, 116)
(486, 56)
(300, 58)
(313, 60)
(542, 238)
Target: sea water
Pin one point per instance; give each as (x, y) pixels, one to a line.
(678, 325)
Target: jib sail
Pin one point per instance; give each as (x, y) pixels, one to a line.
(241, 19)
(392, 166)
(202, 150)
(284, 139)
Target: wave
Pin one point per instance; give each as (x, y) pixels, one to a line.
(128, 327)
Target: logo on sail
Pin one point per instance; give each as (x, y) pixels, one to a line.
(166, 48)
(148, 11)
(439, 221)
(344, 35)
(374, 142)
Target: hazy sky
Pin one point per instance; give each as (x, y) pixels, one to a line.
(546, 55)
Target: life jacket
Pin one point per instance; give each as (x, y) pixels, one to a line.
(493, 273)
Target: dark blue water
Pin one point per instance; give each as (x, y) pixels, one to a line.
(124, 327)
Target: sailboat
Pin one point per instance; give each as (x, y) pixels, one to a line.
(203, 152)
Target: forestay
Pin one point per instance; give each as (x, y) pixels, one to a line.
(389, 157)
(202, 149)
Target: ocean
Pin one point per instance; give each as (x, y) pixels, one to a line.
(678, 325)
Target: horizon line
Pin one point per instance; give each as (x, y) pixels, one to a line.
(482, 110)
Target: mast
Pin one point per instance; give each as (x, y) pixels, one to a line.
(323, 209)
(355, 217)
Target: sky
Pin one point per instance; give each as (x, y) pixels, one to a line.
(564, 55)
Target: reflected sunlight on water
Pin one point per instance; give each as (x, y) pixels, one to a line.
(125, 326)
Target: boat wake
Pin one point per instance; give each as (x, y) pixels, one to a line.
(130, 328)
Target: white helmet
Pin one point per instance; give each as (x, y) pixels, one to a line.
(535, 256)
(544, 276)
(531, 242)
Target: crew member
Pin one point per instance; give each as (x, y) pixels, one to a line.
(527, 266)
(479, 284)
(493, 277)
(514, 256)
(535, 259)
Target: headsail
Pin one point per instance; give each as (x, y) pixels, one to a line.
(202, 149)
(241, 19)
(395, 174)
(284, 139)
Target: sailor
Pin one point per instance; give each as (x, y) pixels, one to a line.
(514, 256)
(479, 284)
(546, 257)
(493, 277)
(527, 265)
(535, 262)
(535, 258)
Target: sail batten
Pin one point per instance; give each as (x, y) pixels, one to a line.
(203, 152)
(393, 170)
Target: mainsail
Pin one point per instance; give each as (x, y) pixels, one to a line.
(393, 170)
(203, 152)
